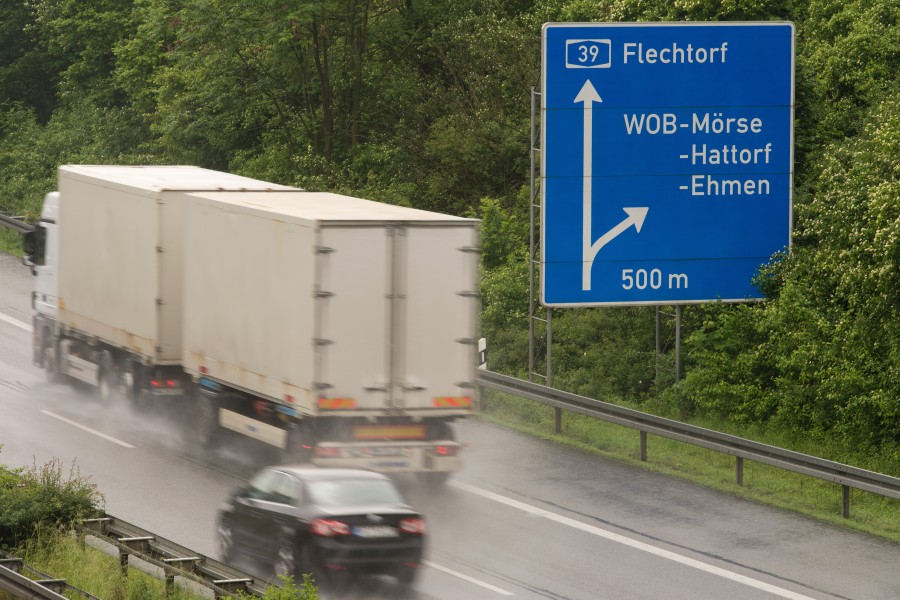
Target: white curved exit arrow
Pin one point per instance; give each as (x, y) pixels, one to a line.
(636, 216)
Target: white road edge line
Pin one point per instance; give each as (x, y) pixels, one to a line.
(88, 429)
(621, 539)
(488, 586)
(15, 322)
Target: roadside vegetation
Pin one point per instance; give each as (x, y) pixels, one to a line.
(40, 508)
(821, 500)
(426, 104)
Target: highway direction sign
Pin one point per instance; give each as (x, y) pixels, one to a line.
(667, 160)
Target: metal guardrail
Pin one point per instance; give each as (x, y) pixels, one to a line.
(845, 475)
(15, 223)
(45, 587)
(173, 559)
(131, 540)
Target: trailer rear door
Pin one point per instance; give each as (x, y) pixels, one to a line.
(353, 311)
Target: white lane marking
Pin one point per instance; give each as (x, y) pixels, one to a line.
(621, 539)
(88, 429)
(488, 586)
(15, 322)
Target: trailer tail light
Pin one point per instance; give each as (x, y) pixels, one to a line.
(159, 383)
(452, 402)
(336, 403)
(328, 527)
(327, 452)
(443, 450)
(413, 525)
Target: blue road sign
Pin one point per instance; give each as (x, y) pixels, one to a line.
(667, 160)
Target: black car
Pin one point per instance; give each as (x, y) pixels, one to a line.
(301, 519)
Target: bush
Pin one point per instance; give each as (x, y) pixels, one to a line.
(38, 496)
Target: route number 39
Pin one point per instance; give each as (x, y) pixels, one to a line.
(588, 54)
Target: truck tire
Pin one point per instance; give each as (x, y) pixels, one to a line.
(51, 361)
(294, 451)
(434, 479)
(207, 421)
(108, 379)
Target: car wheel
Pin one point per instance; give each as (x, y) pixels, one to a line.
(225, 540)
(406, 575)
(286, 560)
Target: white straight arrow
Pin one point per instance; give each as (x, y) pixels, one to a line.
(636, 215)
(588, 95)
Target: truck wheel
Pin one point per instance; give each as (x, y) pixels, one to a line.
(51, 362)
(434, 479)
(108, 380)
(207, 421)
(294, 450)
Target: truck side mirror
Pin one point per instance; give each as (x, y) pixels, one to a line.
(34, 245)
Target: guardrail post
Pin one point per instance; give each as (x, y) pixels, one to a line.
(845, 501)
(123, 562)
(643, 446)
(739, 467)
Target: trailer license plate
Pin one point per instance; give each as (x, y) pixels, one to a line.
(168, 392)
(375, 531)
(385, 451)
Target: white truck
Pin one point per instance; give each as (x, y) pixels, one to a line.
(341, 330)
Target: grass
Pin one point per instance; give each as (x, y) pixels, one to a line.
(10, 241)
(822, 500)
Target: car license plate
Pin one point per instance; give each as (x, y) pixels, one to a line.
(375, 531)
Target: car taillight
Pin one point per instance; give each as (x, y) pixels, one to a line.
(446, 450)
(412, 525)
(328, 452)
(328, 527)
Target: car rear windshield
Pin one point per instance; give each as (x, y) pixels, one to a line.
(350, 492)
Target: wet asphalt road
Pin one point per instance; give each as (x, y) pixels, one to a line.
(525, 518)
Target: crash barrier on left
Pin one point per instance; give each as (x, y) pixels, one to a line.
(23, 581)
(132, 541)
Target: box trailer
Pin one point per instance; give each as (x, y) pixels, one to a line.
(341, 330)
(354, 320)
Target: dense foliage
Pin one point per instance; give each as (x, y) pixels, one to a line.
(427, 103)
(42, 496)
